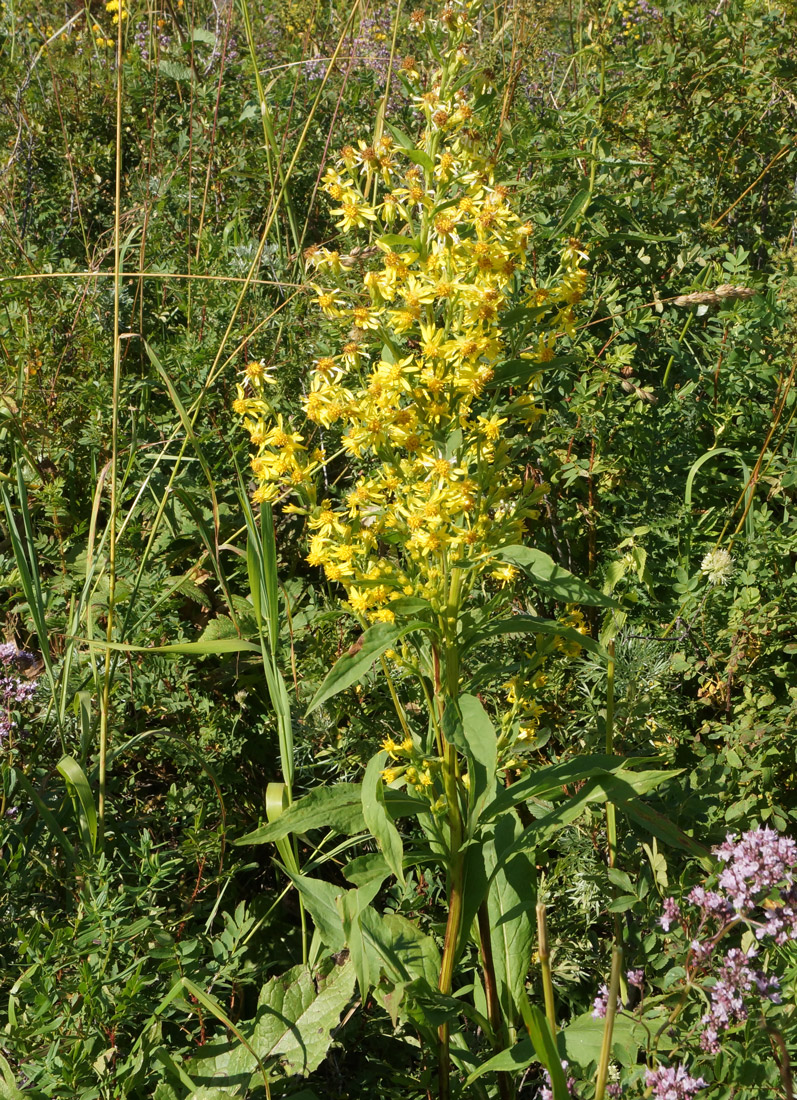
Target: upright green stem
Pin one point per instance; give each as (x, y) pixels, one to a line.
(611, 820)
(448, 692)
(608, 1028)
(594, 147)
(447, 967)
(611, 811)
(117, 280)
(545, 966)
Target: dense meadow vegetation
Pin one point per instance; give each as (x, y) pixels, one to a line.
(397, 549)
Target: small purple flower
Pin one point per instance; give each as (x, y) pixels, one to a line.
(142, 40)
(673, 1083)
(14, 690)
(755, 864)
(601, 1003)
(671, 913)
(735, 978)
(780, 919)
(546, 1092)
(315, 68)
(710, 902)
(701, 952)
(636, 977)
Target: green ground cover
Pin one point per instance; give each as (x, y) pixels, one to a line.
(397, 550)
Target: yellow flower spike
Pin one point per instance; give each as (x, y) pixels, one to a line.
(431, 285)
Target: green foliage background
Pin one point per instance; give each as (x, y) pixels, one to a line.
(665, 143)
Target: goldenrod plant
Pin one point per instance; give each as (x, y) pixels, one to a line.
(405, 468)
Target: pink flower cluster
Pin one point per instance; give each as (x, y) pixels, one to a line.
(756, 887)
(15, 690)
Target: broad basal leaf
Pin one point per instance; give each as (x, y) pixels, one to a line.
(295, 1018)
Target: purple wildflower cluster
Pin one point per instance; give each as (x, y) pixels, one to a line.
(372, 44)
(601, 1002)
(755, 865)
(735, 978)
(15, 690)
(141, 40)
(673, 1083)
(546, 1091)
(756, 887)
(315, 68)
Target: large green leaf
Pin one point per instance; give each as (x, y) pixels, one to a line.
(467, 725)
(551, 579)
(531, 624)
(378, 820)
(660, 826)
(8, 1087)
(321, 901)
(338, 807)
(554, 778)
(295, 1019)
(621, 789)
(353, 665)
(511, 899)
(582, 1039)
(407, 953)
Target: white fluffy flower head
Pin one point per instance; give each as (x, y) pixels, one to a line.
(717, 566)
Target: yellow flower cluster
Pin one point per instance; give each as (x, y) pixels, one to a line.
(117, 9)
(574, 618)
(407, 382)
(410, 768)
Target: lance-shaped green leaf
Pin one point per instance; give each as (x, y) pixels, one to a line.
(511, 899)
(353, 665)
(551, 579)
(660, 826)
(467, 725)
(512, 1060)
(521, 370)
(338, 807)
(531, 624)
(321, 901)
(377, 819)
(545, 1047)
(552, 779)
(186, 649)
(351, 906)
(76, 778)
(578, 206)
(621, 789)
